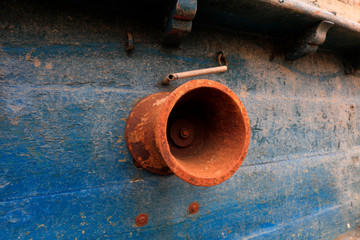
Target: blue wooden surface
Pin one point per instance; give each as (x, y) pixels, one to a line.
(67, 87)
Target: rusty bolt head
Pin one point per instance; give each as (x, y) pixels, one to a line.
(184, 133)
(193, 208)
(141, 219)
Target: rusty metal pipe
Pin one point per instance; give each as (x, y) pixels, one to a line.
(194, 73)
(200, 132)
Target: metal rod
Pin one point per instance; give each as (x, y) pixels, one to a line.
(130, 43)
(220, 57)
(194, 73)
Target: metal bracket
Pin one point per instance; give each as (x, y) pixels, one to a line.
(130, 43)
(351, 61)
(179, 23)
(309, 42)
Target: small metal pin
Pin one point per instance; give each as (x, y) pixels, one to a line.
(199, 72)
(130, 43)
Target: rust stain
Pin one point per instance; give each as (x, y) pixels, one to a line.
(110, 222)
(48, 65)
(28, 57)
(41, 225)
(36, 62)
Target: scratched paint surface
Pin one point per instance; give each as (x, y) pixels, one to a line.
(67, 87)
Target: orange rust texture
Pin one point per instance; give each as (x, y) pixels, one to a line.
(139, 137)
(220, 135)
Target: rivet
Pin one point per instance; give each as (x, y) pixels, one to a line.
(184, 133)
(141, 219)
(194, 208)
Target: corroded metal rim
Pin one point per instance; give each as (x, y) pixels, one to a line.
(161, 133)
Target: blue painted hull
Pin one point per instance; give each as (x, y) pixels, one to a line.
(67, 87)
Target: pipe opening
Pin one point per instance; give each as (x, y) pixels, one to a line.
(215, 132)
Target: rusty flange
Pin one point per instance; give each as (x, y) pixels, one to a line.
(140, 135)
(200, 131)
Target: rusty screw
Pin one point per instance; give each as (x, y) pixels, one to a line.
(184, 133)
(193, 208)
(141, 219)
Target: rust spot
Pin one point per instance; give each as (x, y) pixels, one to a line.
(142, 219)
(36, 62)
(194, 208)
(28, 57)
(48, 65)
